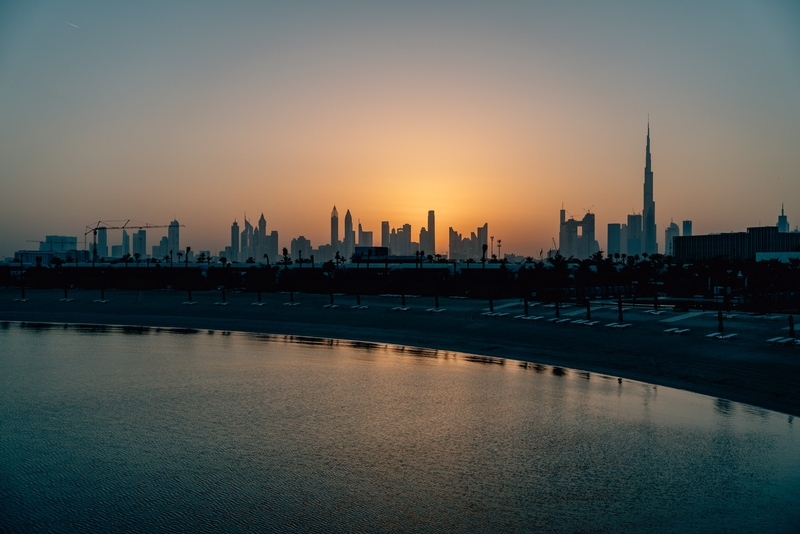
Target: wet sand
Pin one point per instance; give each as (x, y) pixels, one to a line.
(744, 369)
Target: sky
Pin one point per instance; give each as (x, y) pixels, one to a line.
(484, 112)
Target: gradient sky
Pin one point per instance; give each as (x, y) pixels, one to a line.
(497, 113)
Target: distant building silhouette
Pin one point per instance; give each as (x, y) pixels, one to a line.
(246, 245)
(301, 244)
(576, 238)
(671, 232)
(102, 243)
(173, 237)
(234, 252)
(385, 233)
(140, 244)
(650, 244)
(614, 238)
(687, 228)
(783, 223)
(428, 243)
(634, 238)
(735, 245)
(349, 242)
(126, 243)
(463, 248)
(335, 229)
(364, 237)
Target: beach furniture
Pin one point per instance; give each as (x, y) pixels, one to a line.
(580, 321)
(24, 300)
(225, 304)
(669, 331)
(503, 314)
(553, 320)
(400, 308)
(785, 341)
(561, 321)
(99, 301)
(728, 337)
(626, 325)
(774, 340)
(590, 323)
(66, 300)
(610, 325)
(189, 303)
(681, 331)
(713, 335)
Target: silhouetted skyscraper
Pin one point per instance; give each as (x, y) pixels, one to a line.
(234, 241)
(614, 239)
(687, 228)
(650, 244)
(576, 238)
(634, 234)
(335, 230)
(140, 244)
(246, 245)
(126, 243)
(349, 243)
(173, 237)
(783, 222)
(102, 242)
(431, 233)
(671, 232)
(385, 234)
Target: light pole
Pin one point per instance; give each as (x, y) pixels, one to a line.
(498, 248)
(491, 251)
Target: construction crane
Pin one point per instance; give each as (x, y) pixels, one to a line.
(112, 225)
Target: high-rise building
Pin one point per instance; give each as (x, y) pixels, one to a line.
(687, 228)
(140, 244)
(349, 242)
(614, 239)
(234, 241)
(431, 246)
(102, 243)
(650, 244)
(335, 229)
(576, 238)
(385, 234)
(126, 243)
(634, 234)
(783, 222)
(424, 242)
(300, 247)
(246, 244)
(364, 238)
(671, 232)
(173, 237)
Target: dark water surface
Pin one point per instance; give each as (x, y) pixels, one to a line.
(125, 429)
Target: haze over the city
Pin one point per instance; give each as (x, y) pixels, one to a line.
(201, 112)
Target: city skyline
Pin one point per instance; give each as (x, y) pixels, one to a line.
(482, 114)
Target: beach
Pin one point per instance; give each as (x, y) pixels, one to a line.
(743, 369)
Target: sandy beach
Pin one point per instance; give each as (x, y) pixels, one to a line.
(744, 369)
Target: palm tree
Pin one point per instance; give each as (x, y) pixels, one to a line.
(137, 257)
(168, 257)
(266, 256)
(223, 260)
(180, 255)
(201, 258)
(286, 259)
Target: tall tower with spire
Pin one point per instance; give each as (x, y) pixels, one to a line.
(783, 222)
(649, 209)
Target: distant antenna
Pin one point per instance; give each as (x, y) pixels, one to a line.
(589, 210)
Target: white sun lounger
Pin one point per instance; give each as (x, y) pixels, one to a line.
(713, 335)
(728, 337)
(590, 323)
(610, 325)
(669, 331)
(680, 331)
(774, 340)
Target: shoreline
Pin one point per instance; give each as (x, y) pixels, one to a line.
(745, 370)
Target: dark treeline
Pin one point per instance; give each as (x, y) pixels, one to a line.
(657, 279)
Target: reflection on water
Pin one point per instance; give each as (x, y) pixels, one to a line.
(137, 429)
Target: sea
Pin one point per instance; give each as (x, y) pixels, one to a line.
(140, 429)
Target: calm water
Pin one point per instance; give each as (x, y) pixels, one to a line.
(122, 429)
